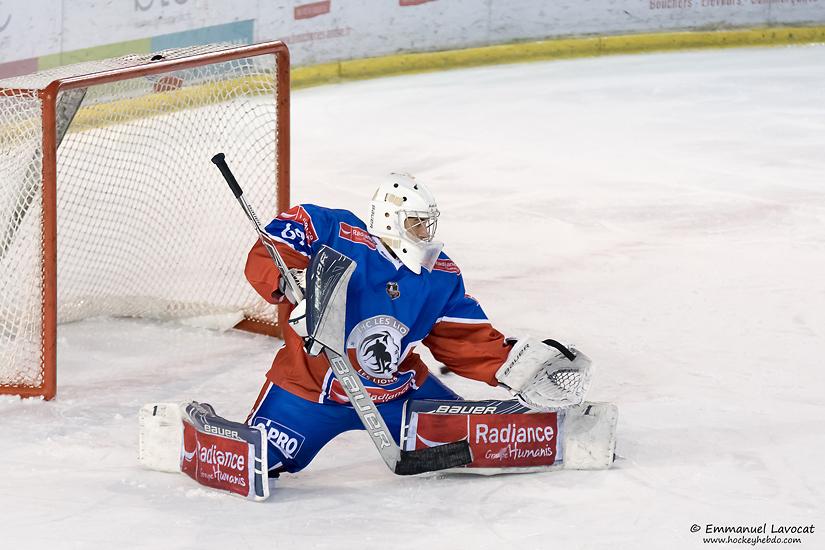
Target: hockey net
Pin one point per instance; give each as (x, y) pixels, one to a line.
(109, 205)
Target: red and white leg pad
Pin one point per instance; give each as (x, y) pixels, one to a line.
(507, 437)
(191, 438)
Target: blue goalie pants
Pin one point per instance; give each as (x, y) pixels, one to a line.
(297, 429)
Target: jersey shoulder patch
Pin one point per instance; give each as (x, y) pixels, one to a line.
(306, 224)
(300, 215)
(355, 234)
(300, 227)
(445, 264)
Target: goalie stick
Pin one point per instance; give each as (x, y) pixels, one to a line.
(328, 276)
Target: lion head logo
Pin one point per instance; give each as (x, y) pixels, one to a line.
(377, 343)
(378, 354)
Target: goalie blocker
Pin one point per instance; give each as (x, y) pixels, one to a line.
(191, 438)
(505, 436)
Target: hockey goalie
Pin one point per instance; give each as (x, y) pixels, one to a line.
(401, 291)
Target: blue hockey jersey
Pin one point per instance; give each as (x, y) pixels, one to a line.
(390, 310)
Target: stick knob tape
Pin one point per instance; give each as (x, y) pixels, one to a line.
(219, 160)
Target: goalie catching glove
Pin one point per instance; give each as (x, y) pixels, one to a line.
(545, 375)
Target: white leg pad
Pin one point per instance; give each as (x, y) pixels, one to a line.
(161, 436)
(590, 436)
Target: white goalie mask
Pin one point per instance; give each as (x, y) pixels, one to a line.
(403, 213)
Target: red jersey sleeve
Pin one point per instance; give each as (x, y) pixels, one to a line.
(293, 232)
(465, 341)
(262, 273)
(473, 350)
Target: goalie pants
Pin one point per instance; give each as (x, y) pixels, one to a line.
(297, 429)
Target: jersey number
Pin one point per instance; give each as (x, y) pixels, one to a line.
(293, 234)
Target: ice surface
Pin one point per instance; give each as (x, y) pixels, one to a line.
(666, 213)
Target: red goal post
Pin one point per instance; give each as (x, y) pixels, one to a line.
(110, 206)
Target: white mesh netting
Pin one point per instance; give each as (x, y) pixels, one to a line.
(146, 226)
(559, 387)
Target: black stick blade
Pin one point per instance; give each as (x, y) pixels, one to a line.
(443, 457)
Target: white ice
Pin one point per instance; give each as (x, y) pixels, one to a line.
(664, 212)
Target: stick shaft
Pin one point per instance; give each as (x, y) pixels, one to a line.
(400, 462)
(219, 160)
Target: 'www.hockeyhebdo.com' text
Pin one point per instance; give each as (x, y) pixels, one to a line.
(764, 533)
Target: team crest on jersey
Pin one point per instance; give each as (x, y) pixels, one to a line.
(377, 345)
(392, 290)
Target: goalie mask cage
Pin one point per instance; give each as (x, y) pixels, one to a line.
(110, 206)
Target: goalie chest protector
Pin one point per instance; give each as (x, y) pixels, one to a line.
(389, 308)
